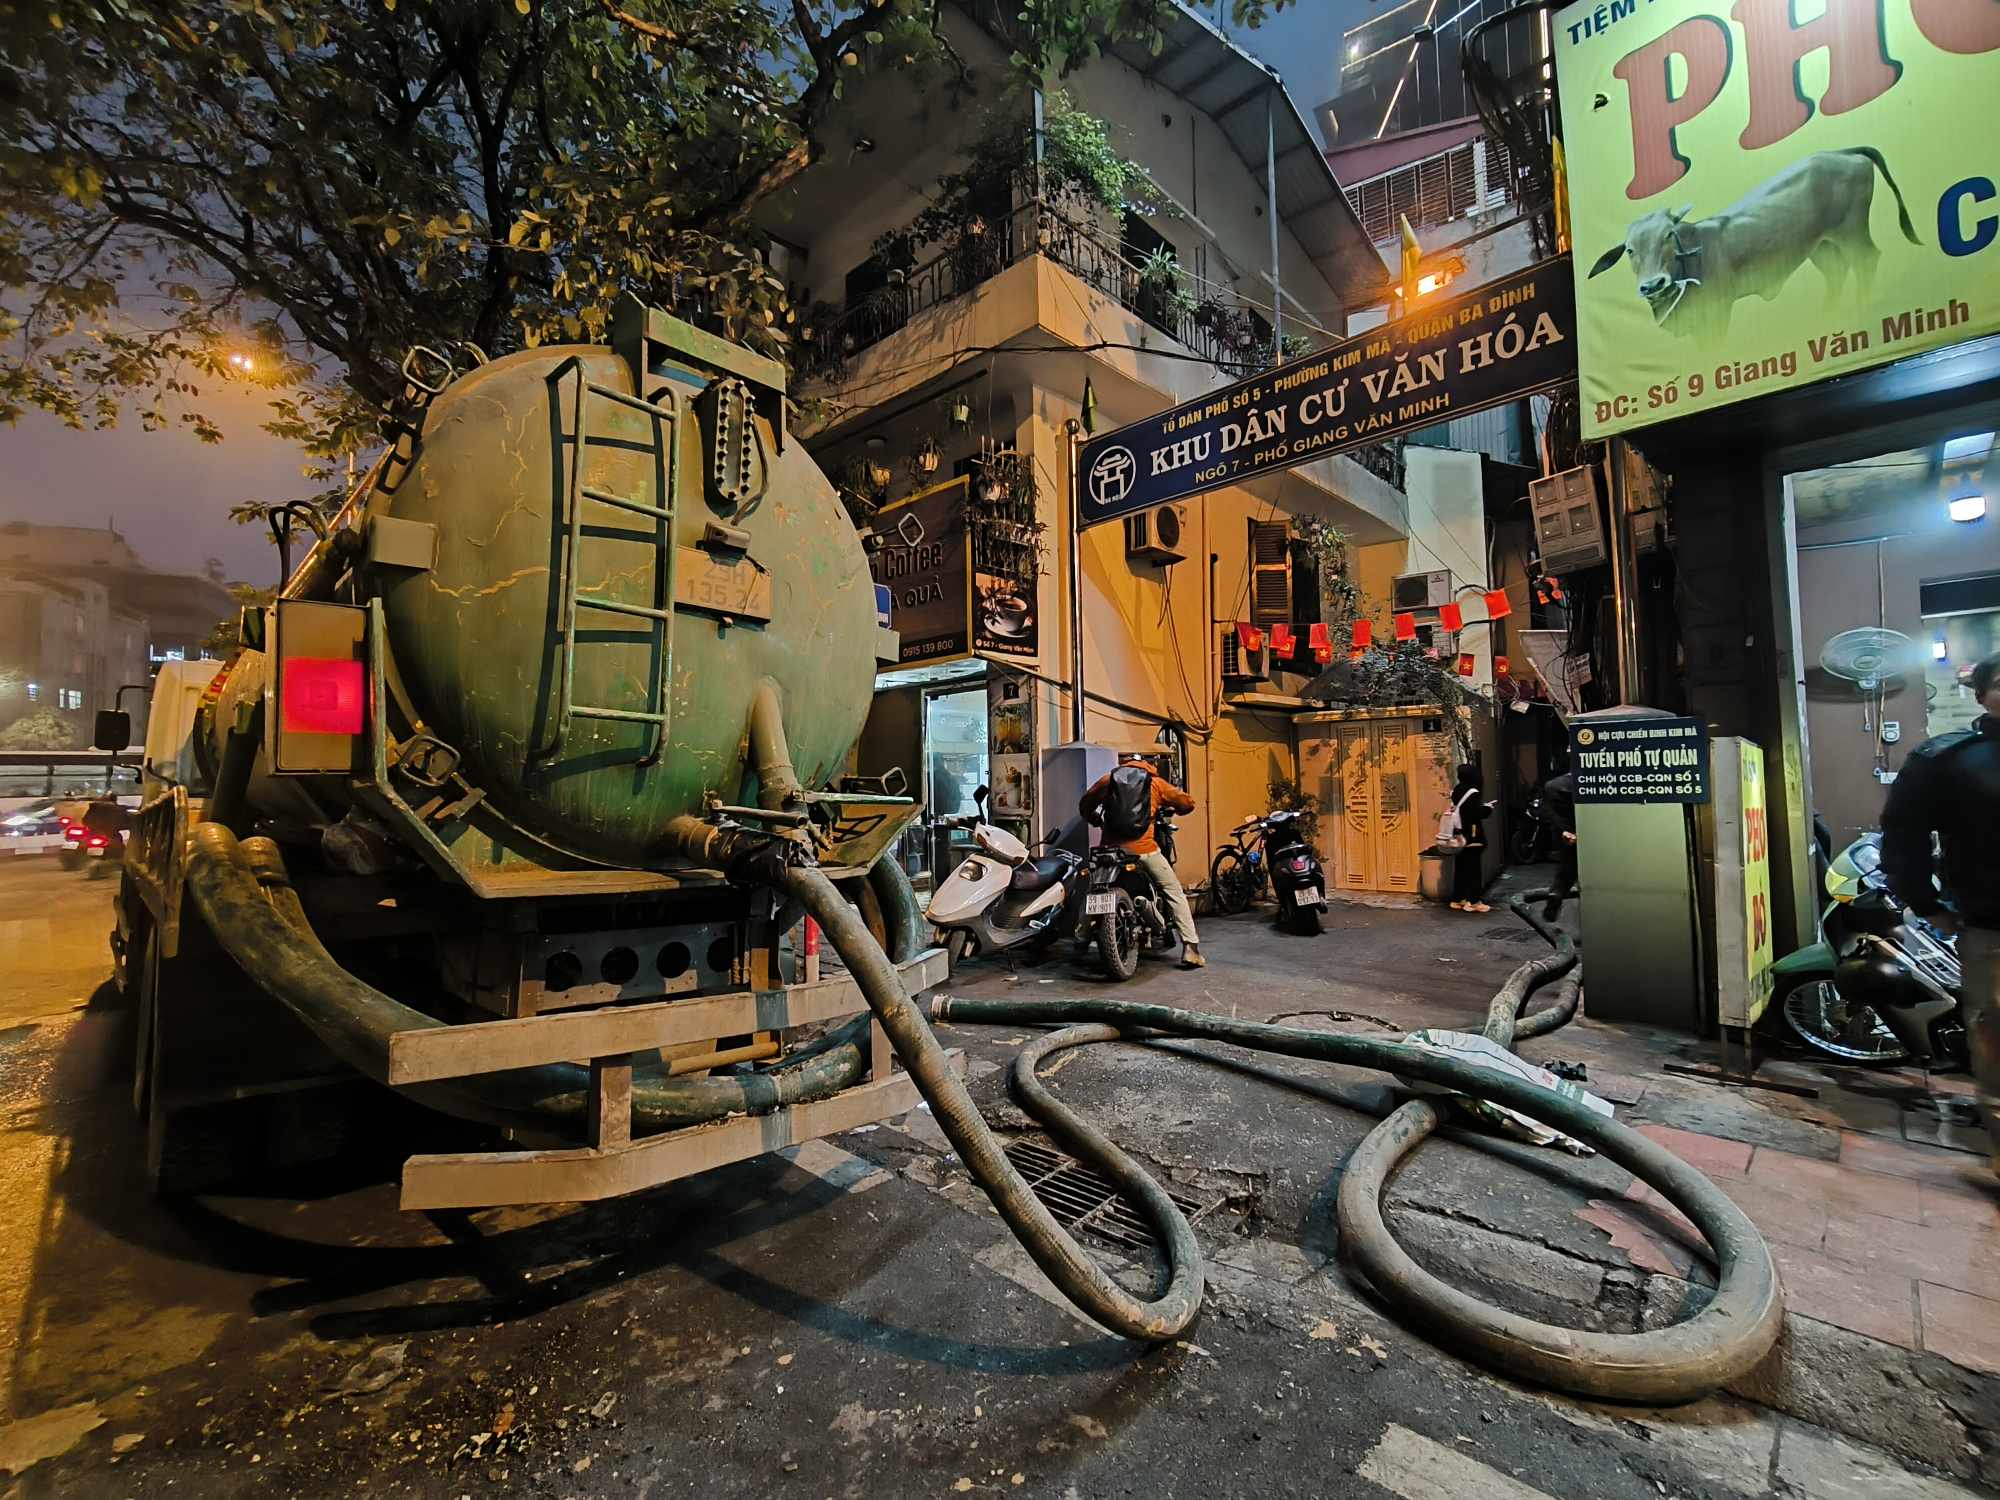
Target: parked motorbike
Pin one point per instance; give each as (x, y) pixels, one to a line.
(1528, 835)
(1004, 896)
(1124, 907)
(1272, 847)
(1881, 986)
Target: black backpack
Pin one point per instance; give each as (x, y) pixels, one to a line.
(1128, 804)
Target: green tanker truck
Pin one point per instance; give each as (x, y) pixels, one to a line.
(514, 799)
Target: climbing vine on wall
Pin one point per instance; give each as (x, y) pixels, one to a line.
(1333, 564)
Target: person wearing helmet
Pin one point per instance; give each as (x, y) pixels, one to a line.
(1124, 806)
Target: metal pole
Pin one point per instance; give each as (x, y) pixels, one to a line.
(1072, 431)
(1271, 213)
(1623, 577)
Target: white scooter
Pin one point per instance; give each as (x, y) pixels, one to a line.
(1005, 896)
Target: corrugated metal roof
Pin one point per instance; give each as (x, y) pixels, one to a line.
(1234, 89)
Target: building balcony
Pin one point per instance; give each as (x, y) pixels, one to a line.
(1036, 278)
(1217, 327)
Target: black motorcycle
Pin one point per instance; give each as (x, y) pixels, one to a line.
(1528, 835)
(1272, 847)
(1124, 911)
(1881, 985)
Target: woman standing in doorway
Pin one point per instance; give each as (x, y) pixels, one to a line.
(1468, 869)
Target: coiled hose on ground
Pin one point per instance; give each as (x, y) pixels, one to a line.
(248, 904)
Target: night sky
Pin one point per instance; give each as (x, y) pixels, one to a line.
(170, 494)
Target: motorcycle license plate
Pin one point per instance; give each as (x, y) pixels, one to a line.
(1099, 904)
(1309, 896)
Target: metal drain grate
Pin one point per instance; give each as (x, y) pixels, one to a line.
(1081, 1199)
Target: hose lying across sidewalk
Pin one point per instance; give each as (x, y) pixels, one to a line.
(246, 900)
(1723, 1341)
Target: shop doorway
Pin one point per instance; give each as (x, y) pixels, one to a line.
(1896, 595)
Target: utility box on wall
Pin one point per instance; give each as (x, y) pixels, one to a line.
(1383, 778)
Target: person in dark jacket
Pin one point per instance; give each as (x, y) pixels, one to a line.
(1468, 866)
(1161, 794)
(1950, 787)
(1559, 812)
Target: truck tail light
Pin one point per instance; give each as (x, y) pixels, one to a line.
(322, 695)
(73, 832)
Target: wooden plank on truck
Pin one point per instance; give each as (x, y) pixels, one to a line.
(432, 1054)
(581, 1175)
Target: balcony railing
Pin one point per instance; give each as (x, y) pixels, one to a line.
(1220, 328)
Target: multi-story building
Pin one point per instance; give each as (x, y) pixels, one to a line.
(81, 615)
(972, 297)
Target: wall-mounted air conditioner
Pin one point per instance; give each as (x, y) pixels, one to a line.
(1414, 593)
(1154, 536)
(1241, 666)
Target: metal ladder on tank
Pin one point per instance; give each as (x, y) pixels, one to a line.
(572, 598)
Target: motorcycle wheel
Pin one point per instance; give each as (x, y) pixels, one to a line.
(1303, 920)
(1230, 881)
(1819, 1017)
(1524, 844)
(1118, 938)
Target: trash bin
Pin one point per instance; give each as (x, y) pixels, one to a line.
(1434, 873)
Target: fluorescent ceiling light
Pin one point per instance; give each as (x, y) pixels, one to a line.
(1937, 650)
(1968, 508)
(1969, 446)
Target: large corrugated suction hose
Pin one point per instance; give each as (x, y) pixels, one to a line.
(1722, 1342)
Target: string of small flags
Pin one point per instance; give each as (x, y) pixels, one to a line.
(1319, 640)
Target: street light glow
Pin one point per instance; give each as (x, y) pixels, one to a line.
(243, 362)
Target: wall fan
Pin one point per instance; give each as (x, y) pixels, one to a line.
(1870, 656)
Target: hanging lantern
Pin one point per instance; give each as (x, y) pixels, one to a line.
(926, 459)
(879, 476)
(961, 412)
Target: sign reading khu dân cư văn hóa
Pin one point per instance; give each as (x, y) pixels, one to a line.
(1497, 343)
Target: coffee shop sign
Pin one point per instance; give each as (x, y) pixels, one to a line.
(1318, 412)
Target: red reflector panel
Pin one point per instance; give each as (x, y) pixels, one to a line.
(321, 696)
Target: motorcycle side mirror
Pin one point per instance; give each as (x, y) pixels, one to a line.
(1052, 835)
(980, 793)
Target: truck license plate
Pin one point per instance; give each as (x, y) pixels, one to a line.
(1309, 896)
(1100, 904)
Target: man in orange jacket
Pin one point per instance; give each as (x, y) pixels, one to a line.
(1160, 793)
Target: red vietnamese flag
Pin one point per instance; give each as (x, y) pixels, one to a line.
(1497, 605)
(1249, 636)
(1320, 642)
(1465, 663)
(1283, 642)
(1451, 617)
(1364, 633)
(1406, 627)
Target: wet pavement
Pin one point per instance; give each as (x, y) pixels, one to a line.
(851, 1319)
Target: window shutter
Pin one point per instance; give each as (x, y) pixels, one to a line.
(1270, 573)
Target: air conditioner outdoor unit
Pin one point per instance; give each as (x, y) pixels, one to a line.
(1241, 666)
(1414, 592)
(1569, 533)
(1154, 536)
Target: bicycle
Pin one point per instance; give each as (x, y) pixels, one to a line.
(1237, 875)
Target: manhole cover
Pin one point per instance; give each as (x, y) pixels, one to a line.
(1081, 1199)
